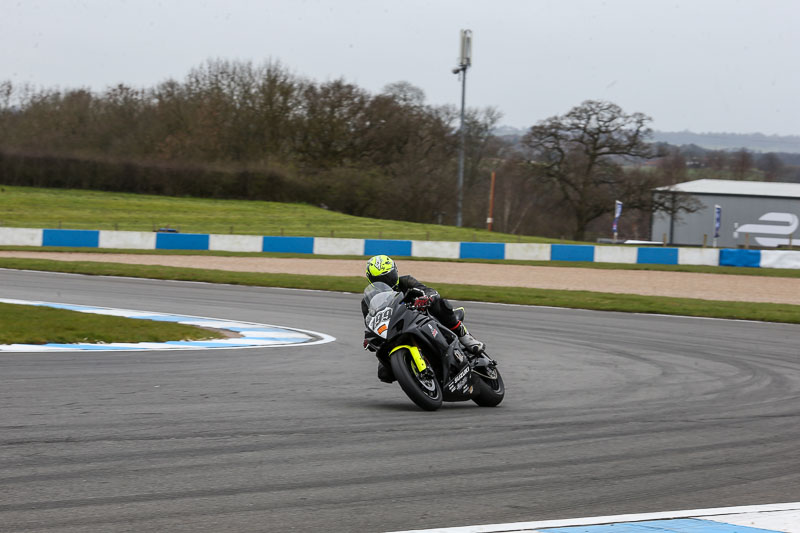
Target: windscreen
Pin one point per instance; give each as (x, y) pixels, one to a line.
(379, 295)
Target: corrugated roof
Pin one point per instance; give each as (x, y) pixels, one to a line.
(738, 188)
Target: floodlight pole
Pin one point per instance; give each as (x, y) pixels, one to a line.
(461, 149)
(464, 62)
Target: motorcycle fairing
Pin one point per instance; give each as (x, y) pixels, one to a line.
(460, 387)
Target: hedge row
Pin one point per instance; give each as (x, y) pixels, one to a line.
(170, 179)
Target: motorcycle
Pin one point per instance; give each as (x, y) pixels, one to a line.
(426, 358)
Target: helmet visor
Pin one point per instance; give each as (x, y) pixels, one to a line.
(390, 278)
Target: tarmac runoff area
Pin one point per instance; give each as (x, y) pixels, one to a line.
(240, 334)
(778, 518)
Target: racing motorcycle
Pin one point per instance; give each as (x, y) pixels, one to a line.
(426, 358)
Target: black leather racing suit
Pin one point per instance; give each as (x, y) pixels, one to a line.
(440, 308)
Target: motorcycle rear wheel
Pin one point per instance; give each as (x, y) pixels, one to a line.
(424, 390)
(491, 390)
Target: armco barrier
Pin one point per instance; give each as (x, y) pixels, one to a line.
(331, 246)
(571, 252)
(381, 246)
(71, 237)
(482, 250)
(182, 241)
(740, 258)
(236, 243)
(20, 237)
(616, 254)
(657, 256)
(288, 245)
(140, 240)
(780, 259)
(136, 240)
(698, 256)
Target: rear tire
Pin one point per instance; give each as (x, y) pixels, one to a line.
(491, 391)
(423, 389)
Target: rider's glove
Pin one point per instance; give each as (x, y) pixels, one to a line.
(368, 346)
(414, 292)
(421, 299)
(423, 302)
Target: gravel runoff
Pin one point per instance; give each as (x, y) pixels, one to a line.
(651, 283)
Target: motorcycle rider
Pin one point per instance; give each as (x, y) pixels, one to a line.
(381, 268)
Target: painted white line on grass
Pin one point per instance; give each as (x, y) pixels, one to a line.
(784, 515)
(252, 335)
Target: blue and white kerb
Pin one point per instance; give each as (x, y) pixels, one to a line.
(247, 334)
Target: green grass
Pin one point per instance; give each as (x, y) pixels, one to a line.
(28, 207)
(515, 295)
(28, 324)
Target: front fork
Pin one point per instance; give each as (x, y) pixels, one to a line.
(419, 361)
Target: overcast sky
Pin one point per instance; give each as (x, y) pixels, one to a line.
(702, 65)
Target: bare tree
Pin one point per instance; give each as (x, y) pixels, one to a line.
(771, 165)
(672, 167)
(581, 153)
(740, 163)
(330, 115)
(716, 160)
(6, 93)
(405, 93)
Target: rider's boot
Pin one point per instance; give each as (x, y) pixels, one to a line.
(385, 374)
(470, 343)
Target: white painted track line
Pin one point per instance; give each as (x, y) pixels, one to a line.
(755, 516)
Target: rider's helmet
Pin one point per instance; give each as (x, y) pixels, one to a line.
(382, 268)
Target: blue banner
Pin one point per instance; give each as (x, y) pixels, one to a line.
(617, 213)
(717, 220)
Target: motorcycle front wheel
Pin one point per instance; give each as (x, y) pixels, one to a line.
(490, 387)
(421, 387)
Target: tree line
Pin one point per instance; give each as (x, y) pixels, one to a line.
(237, 130)
(260, 130)
(734, 164)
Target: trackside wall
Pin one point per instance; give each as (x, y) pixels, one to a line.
(135, 240)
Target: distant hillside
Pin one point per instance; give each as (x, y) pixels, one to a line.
(755, 142)
(508, 131)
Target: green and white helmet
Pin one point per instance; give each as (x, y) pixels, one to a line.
(382, 268)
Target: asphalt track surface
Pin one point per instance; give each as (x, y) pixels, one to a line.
(606, 413)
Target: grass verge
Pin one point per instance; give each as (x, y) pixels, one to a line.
(31, 207)
(514, 295)
(29, 324)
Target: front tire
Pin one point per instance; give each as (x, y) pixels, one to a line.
(491, 389)
(422, 388)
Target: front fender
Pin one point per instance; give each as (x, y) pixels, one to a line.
(419, 361)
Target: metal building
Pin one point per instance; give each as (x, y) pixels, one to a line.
(757, 214)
